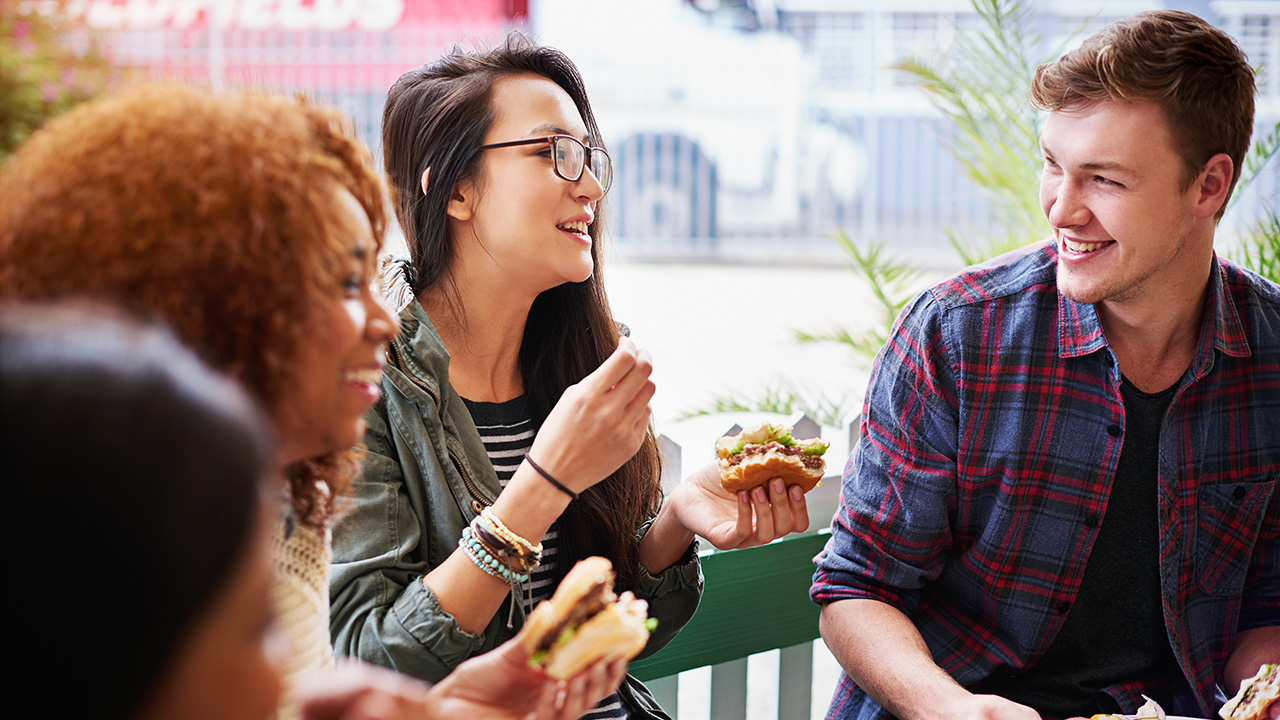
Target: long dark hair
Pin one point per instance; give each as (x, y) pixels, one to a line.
(134, 491)
(437, 116)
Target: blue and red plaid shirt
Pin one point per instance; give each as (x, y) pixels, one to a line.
(991, 433)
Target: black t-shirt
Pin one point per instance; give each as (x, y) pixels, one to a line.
(1114, 631)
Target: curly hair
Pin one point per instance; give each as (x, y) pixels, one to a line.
(210, 213)
(1195, 72)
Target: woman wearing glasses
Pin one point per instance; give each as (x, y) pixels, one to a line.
(510, 402)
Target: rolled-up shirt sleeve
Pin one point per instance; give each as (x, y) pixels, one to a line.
(892, 530)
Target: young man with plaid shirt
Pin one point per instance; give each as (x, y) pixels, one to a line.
(1065, 493)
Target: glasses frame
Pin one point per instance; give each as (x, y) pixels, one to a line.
(589, 152)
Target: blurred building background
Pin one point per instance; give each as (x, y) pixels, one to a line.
(742, 129)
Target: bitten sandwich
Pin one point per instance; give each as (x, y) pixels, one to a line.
(758, 454)
(1255, 696)
(584, 622)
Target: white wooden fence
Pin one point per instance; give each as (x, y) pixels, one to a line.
(727, 696)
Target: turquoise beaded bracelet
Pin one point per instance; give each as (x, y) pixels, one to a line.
(480, 562)
(487, 562)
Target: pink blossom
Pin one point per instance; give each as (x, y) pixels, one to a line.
(21, 29)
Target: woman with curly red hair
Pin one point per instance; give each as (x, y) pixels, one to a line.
(250, 225)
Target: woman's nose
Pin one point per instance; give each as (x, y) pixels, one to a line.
(382, 324)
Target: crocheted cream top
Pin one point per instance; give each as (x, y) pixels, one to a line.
(301, 597)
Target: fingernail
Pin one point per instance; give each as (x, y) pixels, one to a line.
(796, 493)
(778, 487)
(759, 494)
(744, 497)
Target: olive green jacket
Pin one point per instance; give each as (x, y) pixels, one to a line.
(425, 477)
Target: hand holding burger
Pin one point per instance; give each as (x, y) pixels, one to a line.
(584, 622)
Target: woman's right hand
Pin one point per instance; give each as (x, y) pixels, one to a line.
(599, 423)
(498, 685)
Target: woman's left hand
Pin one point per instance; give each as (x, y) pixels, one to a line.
(745, 520)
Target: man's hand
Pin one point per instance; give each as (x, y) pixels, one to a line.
(881, 650)
(1250, 650)
(990, 707)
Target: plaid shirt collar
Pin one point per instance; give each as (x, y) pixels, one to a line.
(1080, 329)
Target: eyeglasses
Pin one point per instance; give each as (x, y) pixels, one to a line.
(569, 157)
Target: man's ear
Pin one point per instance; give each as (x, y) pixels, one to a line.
(1212, 185)
(462, 201)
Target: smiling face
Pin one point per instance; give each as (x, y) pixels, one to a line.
(1112, 188)
(340, 362)
(518, 219)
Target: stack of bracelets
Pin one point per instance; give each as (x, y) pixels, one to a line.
(498, 551)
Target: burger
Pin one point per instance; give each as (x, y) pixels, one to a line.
(585, 622)
(758, 454)
(1255, 696)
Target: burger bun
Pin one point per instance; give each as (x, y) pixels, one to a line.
(758, 469)
(1255, 696)
(584, 622)
(616, 632)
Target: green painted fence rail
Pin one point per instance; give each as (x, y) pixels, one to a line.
(755, 600)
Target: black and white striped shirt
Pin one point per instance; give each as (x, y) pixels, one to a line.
(507, 431)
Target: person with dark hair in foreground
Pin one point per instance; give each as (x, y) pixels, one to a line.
(1065, 492)
(159, 567)
(138, 475)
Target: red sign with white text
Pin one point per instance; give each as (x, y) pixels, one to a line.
(308, 45)
(367, 15)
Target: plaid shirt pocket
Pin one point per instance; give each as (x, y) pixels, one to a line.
(1228, 522)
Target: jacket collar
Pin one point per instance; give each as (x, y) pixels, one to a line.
(418, 350)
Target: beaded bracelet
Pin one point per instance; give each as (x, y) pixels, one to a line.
(507, 573)
(505, 533)
(487, 562)
(510, 555)
(475, 558)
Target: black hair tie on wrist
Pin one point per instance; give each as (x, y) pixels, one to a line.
(559, 485)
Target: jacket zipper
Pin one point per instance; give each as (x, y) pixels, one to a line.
(478, 499)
